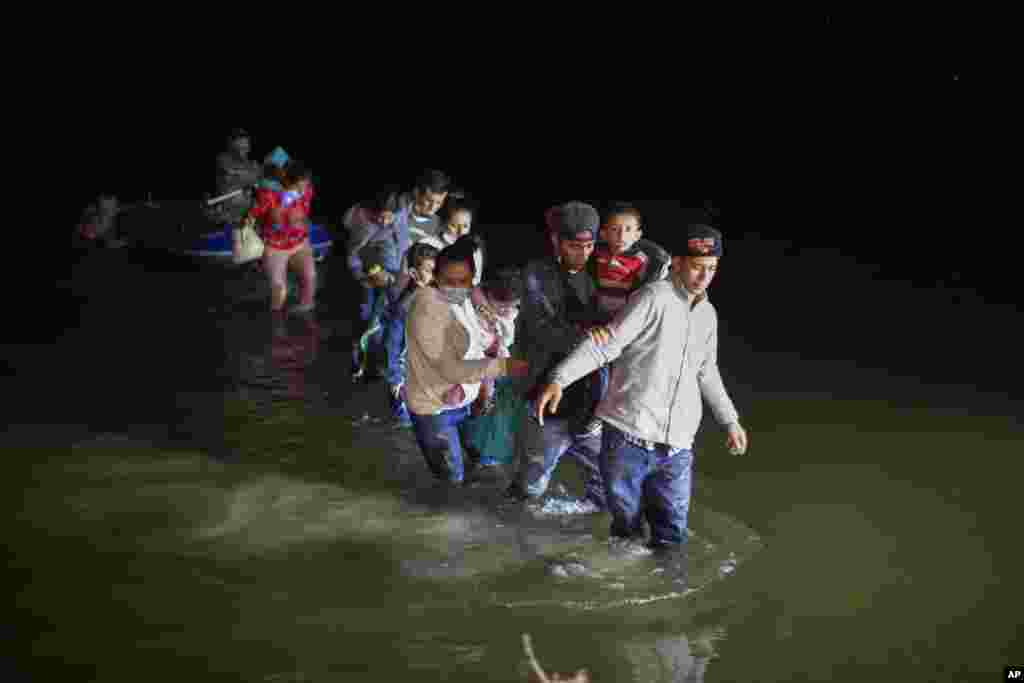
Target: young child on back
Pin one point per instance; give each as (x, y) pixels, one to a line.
(622, 263)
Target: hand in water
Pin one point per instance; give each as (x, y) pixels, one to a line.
(737, 439)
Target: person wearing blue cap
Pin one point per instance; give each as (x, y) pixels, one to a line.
(557, 306)
(665, 346)
(273, 169)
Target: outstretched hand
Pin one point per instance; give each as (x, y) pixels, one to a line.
(550, 394)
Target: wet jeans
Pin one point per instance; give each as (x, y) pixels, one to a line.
(372, 305)
(440, 438)
(393, 322)
(646, 484)
(539, 450)
(372, 311)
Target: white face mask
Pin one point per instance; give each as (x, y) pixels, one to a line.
(455, 295)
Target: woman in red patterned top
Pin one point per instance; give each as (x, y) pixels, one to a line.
(283, 216)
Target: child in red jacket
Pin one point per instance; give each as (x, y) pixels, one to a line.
(622, 263)
(284, 226)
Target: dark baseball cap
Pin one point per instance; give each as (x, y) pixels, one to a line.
(703, 240)
(577, 221)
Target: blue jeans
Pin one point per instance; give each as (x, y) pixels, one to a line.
(599, 380)
(370, 304)
(393, 322)
(540, 449)
(370, 308)
(642, 484)
(373, 307)
(440, 438)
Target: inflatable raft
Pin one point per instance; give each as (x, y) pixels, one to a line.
(186, 228)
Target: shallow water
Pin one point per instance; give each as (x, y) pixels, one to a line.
(198, 496)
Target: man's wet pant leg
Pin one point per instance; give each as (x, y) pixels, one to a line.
(440, 441)
(652, 485)
(394, 344)
(540, 449)
(667, 497)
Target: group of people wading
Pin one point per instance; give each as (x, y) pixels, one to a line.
(603, 350)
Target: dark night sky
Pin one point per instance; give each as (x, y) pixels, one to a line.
(889, 191)
(826, 141)
(845, 160)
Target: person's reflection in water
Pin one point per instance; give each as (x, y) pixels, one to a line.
(294, 345)
(677, 658)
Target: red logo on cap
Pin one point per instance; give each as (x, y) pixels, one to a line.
(701, 245)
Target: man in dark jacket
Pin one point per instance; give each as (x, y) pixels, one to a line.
(557, 308)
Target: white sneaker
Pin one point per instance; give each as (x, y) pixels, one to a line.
(557, 506)
(628, 546)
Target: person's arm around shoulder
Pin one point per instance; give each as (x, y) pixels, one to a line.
(601, 345)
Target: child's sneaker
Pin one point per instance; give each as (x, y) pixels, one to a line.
(591, 428)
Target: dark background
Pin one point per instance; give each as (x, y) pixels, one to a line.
(849, 180)
(854, 183)
(874, 152)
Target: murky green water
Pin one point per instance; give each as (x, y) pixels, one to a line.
(197, 498)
